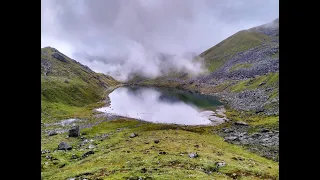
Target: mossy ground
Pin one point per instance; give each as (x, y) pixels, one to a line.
(271, 79)
(121, 157)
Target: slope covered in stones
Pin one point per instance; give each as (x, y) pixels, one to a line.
(68, 87)
(242, 69)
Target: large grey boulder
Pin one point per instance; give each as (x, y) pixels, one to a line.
(64, 146)
(74, 132)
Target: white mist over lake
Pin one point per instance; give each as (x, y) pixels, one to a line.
(155, 106)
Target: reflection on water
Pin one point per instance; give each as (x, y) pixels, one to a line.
(162, 105)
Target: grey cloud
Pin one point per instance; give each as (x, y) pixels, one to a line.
(127, 36)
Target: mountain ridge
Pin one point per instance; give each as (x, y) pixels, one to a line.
(247, 63)
(67, 86)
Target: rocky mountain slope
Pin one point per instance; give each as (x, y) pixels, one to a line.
(67, 87)
(243, 70)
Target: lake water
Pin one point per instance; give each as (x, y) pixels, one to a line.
(163, 105)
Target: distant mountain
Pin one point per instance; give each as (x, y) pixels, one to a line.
(243, 69)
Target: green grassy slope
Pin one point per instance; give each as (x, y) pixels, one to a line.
(121, 157)
(67, 87)
(216, 56)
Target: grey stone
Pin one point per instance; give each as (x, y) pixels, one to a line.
(231, 138)
(193, 155)
(74, 156)
(87, 154)
(52, 133)
(74, 132)
(64, 146)
(91, 146)
(255, 135)
(264, 130)
(220, 164)
(84, 142)
(241, 123)
(133, 135)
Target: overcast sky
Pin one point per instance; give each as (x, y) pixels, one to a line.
(119, 37)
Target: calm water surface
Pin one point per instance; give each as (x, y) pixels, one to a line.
(163, 105)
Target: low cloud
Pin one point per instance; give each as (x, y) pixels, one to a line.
(149, 37)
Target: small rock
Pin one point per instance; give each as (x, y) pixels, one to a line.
(64, 146)
(263, 83)
(231, 138)
(133, 135)
(52, 133)
(255, 135)
(220, 164)
(156, 141)
(238, 158)
(143, 170)
(104, 136)
(196, 146)
(264, 130)
(259, 110)
(91, 146)
(74, 132)
(241, 123)
(265, 140)
(87, 154)
(66, 81)
(84, 142)
(226, 130)
(45, 151)
(193, 155)
(74, 156)
(48, 157)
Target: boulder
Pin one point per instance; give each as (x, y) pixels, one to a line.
(133, 135)
(231, 138)
(64, 146)
(52, 133)
(74, 132)
(193, 155)
(241, 123)
(87, 154)
(220, 164)
(264, 130)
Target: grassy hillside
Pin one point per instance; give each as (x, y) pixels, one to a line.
(243, 70)
(121, 157)
(69, 88)
(216, 56)
(245, 61)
